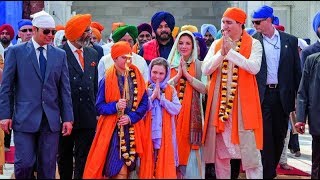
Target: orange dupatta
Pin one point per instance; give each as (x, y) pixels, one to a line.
(183, 119)
(106, 125)
(249, 95)
(165, 167)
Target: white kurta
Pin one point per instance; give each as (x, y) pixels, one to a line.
(220, 144)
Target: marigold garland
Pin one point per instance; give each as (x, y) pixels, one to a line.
(226, 104)
(182, 85)
(129, 156)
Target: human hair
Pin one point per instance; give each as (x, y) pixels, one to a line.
(186, 34)
(160, 61)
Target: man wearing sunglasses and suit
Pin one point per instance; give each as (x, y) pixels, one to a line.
(278, 82)
(34, 98)
(25, 30)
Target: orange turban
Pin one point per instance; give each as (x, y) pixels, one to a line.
(120, 48)
(236, 14)
(76, 26)
(96, 33)
(175, 31)
(115, 25)
(97, 25)
(59, 27)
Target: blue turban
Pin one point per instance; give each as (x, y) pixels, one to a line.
(158, 17)
(24, 22)
(316, 22)
(265, 12)
(208, 27)
(250, 31)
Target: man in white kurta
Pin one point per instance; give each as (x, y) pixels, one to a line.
(219, 147)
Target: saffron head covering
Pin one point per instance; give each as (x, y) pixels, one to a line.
(144, 27)
(9, 28)
(43, 20)
(158, 17)
(122, 30)
(175, 31)
(316, 22)
(120, 48)
(76, 26)
(236, 14)
(190, 28)
(24, 22)
(97, 25)
(115, 25)
(208, 27)
(96, 33)
(60, 27)
(202, 45)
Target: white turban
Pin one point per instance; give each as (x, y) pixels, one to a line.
(208, 27)
(43, 20)
(57, 41)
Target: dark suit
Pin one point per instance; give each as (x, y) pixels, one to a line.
(99, 49)
(308, 102)
(277, 103)
(39, 106)
(83, 91)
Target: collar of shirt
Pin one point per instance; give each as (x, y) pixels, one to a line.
(275, 33)
(73, 48)
(36, 45)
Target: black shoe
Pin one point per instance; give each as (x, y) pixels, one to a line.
(210, 171)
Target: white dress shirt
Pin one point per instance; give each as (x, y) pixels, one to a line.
(36, 46)
(76, 55)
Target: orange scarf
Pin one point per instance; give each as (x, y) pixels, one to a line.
(165, 167)
(183, 119)
(106, 125)
(249, 96)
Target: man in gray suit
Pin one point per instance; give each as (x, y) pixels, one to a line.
(34, 97)
(278, 81)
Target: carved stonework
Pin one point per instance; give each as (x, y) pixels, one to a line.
(31, 7)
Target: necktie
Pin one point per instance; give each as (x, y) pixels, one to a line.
(42, 62)
(79, 51)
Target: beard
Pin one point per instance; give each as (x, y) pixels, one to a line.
(162, 36)
(5, 41)
(209, 42)
(84, 42)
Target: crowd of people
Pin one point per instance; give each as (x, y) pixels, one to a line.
(156, 100)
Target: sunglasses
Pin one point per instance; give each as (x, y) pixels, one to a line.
(47, 31)
(259, 21)
(25, 30)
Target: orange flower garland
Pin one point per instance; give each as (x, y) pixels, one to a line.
(129, 156)
(226, 104)
(182, 85)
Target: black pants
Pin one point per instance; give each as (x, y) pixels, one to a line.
(76, 145)
(294, 142)
(315, 157)
(275, 126)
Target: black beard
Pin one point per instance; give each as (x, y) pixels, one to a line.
(5, 41)
(159, 38)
